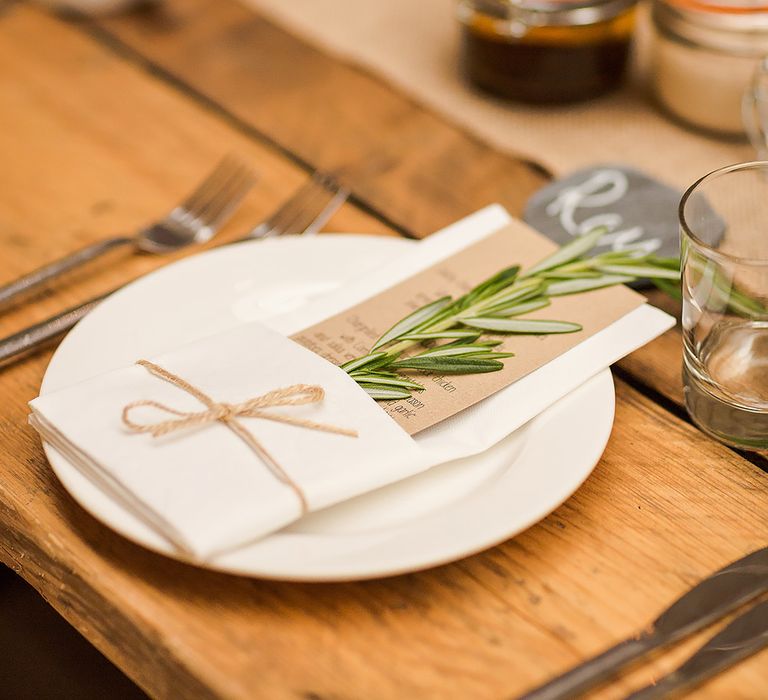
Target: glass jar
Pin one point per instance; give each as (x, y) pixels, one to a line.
(705, 54)
(755, 109)
(546, 51)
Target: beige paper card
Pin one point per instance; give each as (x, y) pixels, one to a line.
(351, 333)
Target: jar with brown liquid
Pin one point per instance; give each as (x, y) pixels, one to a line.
(546, 51)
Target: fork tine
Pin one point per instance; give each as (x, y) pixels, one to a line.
(286, 212)
(206, 209)
(299, 211)
(335, 201)
(310, 217)
(220, 205)
(236, 196)
(212, 181)
(214, 188)
(304, 207)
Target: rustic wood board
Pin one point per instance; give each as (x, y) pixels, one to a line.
(411, 166)
(95, 142)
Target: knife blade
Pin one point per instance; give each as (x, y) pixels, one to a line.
(742, 638)
(724, 591)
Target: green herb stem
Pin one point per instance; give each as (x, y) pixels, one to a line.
(488, 308)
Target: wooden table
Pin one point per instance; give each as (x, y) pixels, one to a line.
(102, 125)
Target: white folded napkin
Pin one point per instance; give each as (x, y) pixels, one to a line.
(207, 491)
(204, 488)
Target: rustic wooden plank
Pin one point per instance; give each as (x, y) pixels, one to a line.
(416, 169)
(488, 626)
(412, 166)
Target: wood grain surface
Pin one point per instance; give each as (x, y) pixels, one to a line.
(413, 168)
(103, 126)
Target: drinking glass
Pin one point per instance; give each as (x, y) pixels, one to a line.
(724, 249)
(755, 109)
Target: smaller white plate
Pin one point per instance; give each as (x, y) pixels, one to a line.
(444, 514)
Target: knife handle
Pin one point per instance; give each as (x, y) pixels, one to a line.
(743, 637)
(592, 672)
(36, 280)
(33, 338)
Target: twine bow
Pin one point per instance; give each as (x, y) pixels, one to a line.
(296, 395)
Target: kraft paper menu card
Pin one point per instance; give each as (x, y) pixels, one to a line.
(352, 332)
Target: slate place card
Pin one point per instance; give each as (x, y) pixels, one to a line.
(639, 211)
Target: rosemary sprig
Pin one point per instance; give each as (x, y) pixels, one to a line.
(495, 306)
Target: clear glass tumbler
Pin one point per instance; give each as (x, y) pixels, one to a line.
(754, 109)
(724, 248)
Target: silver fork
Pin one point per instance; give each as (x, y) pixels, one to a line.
(194, 220)
(308, 209)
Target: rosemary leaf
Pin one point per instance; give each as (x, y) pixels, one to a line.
(469, 339)
(517, 293)
(519, 325)
(364, 361)
(743, 305)
(570, 251)
(669, 287)
(671, 263)
(722, 289)
(501, 280)
(459, 333)
(566, 275)
(634, 254)
(517, 309)
(436, 321)
(641, 271)
(385, 393)
(412, 321)
(452, 350)
(450, 365)
(370, 379)
(574, 286)
(492, 355)
(373, 373)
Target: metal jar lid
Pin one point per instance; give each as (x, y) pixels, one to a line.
(509, 15)
(736, 27)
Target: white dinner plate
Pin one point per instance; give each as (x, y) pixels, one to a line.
(441, 515)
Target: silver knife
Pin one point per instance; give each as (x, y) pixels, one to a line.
(713, 598)
(745, 636)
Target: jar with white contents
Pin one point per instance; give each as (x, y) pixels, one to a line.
(705, 55)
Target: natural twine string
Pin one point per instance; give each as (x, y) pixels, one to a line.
(296, 395)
